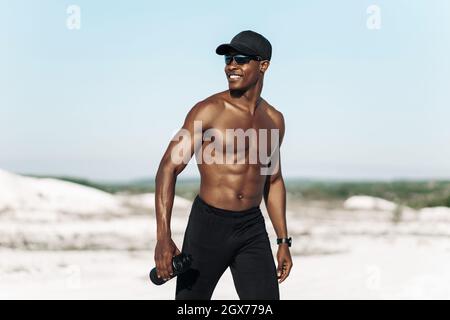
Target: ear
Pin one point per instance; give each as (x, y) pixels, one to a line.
(264, 65)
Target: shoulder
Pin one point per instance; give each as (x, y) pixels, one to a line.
(276, 115)
(207, 110)
(277, 118)
(211, 106)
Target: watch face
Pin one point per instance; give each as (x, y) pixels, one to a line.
(285, 240)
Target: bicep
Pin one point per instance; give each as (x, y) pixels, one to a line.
(276, 156)
(277, 168)
(184, 143)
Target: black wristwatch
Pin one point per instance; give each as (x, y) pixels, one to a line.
(285, 240)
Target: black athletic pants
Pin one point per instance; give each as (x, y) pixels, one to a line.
(217, 239)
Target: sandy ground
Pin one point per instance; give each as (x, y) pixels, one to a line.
(373, 269)
(59, 240)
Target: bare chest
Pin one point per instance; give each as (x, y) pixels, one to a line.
(241, 132)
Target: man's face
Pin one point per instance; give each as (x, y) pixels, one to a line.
(242, 76)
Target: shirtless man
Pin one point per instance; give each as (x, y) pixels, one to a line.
(226, 227)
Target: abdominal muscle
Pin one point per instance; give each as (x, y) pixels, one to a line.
(231, 186)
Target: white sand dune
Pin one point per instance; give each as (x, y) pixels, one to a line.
(369, 203)
(50, 214)
(50, 199)
(146, 201)
(46, 199)
(435, 214)
(133, 233)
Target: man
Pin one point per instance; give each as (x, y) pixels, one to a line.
(226, 227)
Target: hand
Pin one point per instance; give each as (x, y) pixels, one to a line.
(284, 262)
(165, 250)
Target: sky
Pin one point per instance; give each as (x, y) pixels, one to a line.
(103, 101)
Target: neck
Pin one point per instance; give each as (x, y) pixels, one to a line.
(248, 98)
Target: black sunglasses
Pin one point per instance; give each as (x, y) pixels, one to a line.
(240, 58)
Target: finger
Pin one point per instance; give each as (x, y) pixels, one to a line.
(164, 269)
(283, 276)
(161, 272)
(281, 263)
(158, 267)
(286, 272)
(279, 271)
(283, 272)
(168, 264)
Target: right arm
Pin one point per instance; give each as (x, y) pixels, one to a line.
(171, 165)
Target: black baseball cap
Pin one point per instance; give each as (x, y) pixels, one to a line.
(249, 43)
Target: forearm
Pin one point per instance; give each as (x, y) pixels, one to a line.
(275, 198)
(164, 197)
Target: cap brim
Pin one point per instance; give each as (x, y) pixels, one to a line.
(227, 48)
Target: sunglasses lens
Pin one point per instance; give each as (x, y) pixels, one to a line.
(228, 59)
(240, 59)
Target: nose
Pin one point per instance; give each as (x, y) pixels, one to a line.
(232, 66)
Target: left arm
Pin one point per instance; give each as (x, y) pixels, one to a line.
(275, 200)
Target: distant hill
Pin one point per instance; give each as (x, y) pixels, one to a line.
(415, 194)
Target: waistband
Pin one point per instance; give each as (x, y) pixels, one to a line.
(228, 213)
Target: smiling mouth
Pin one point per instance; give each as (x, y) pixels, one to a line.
(234, 77)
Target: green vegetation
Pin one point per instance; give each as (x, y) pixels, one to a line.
(415, 194)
